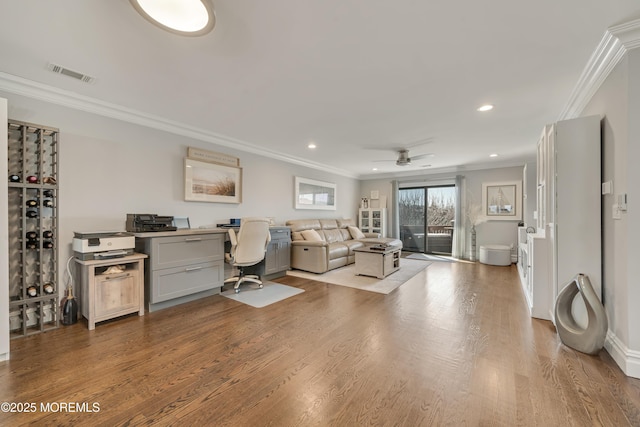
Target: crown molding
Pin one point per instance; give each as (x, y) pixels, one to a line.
(449, 169)
(615, 43)
(31, 89)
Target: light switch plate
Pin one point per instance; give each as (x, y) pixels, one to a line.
(615, 212)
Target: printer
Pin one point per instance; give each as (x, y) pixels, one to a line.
(141, 223)
(102, 244)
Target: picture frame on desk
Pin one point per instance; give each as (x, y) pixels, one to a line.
(211, 182)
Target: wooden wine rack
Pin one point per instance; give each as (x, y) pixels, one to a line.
(33, 262)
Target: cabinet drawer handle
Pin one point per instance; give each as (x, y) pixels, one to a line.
(192, 268)
(193, 239)
(117, 276)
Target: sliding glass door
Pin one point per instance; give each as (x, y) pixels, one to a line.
(427, 218)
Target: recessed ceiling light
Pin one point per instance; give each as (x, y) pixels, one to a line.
(374, 169)
(493, 155)
(486, 107)
(311, 145)
(184, 17)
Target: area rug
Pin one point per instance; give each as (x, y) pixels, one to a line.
(426, 257)
(346, 276)
(271, 292)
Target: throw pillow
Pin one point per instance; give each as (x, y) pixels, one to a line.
(355, 232)
(311, 235)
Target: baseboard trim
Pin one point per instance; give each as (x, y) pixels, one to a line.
(628, 360)
(4, 357)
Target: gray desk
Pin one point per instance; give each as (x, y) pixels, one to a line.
(183, 265)
(186, 265)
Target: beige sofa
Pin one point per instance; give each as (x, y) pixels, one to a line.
(320, 245)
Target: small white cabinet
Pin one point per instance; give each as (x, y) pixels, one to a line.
(373, 220)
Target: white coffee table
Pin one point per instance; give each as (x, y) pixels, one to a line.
(377, 263)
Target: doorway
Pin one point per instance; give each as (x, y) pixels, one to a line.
(426, 217)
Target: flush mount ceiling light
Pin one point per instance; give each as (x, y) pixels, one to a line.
(184, 17)
(487, 107)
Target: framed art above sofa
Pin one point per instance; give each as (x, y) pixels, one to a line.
(313, 194)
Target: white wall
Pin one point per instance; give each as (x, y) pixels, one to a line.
(109, 168)
(4, 238)
(618, 100)
(491, 232)
(633, 213)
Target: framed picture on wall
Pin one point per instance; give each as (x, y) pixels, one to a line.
(502, 200)
(211, 182)
(312, 194)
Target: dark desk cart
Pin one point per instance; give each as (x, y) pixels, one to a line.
(33, 228)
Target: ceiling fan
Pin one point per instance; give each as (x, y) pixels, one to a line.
(404, 159)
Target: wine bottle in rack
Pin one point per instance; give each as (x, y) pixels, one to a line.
(32, 291)
(47, 234)
(47, 244)
(31, 203)
(47, 193)
(14, 178)
(31, 235)
(32, 179)
(48, 203)
(31, 244)
(32, 213)
(48, 288)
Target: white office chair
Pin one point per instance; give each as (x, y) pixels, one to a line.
(248, 248)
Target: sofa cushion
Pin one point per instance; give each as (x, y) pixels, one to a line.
(333, 235)
(328, 224)
(303, 224)
(296, 235)
(311, 235)
(338, 250)
(353, 244)
(355, 232)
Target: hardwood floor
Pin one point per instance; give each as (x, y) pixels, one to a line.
(456, 348)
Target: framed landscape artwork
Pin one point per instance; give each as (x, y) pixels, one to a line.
(312, 194)
(211, 182)
(502, 200)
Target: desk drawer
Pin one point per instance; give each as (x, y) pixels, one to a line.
(186, 280)
(169, 252)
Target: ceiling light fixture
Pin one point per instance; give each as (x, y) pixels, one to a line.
(493, 155)
(184, 17)
(311, 145)
(486, 107)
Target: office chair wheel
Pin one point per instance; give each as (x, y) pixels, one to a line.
(237, 291)
(260, 285)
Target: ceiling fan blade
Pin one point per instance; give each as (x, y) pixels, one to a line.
(415, 144)
(422, 156)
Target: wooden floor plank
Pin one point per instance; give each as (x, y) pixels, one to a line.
(455, 347)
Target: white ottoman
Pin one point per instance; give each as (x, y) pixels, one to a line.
(495, 254)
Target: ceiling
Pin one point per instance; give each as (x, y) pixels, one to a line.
(357, 78)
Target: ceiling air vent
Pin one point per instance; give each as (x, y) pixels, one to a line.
(70, 73)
